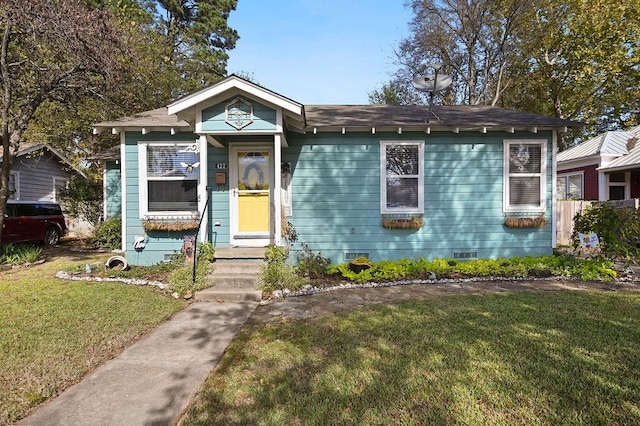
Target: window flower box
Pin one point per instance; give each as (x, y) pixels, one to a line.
(537, 221)
(170, 224)
(402, 222)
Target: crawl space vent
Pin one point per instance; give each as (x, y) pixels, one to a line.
(350, 255)
(465, 255)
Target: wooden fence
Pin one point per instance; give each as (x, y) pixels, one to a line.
(567, 209)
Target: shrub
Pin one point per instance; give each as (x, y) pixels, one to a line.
(181, 277)
(206, 252)
(312, 265)
(618, 229)
(277, 274)
(537, 267)
(109, 234)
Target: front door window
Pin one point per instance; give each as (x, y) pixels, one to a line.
(253, 192)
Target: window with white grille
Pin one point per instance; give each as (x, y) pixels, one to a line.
(402, 177)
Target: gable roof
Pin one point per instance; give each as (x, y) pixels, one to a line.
(300, 118)
(612, 143)
(28, 148)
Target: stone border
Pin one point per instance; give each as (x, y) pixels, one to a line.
(309, 289)
(71, 277)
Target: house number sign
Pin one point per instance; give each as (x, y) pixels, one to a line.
(221, 166)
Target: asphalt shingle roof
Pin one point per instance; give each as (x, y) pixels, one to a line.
(416, 115)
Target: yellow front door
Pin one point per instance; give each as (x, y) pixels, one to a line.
(253, 192)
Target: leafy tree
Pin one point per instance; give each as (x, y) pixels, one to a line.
(51, 51)
(394, 92)
(584, 64)
(179, 46)
(476, 41)
(573, 59)
(83, 198)
(197, 39)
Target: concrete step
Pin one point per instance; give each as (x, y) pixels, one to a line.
(228, 267)
(215, 294)
(237, 253)
(233, 280)
(235, 276)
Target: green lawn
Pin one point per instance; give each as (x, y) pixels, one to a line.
(53, 332)
(516, 358)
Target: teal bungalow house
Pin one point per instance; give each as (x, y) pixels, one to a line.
(383, 181)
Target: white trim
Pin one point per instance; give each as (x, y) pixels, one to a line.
(383, 177)
(229, 84)
(143, 205)
(554, 179)
(123, 189)
(202, 189)
(235, 238)
(16, 182)
(277, 190)
(104, 193)
(625, 184)
(54, 196)
(506, 207)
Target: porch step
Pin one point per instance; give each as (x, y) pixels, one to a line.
(228, 295)
(239, 253)
(235, 275)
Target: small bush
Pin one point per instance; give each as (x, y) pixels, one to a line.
(277, 274)
(312, 265)
(108, 234)
(16, 254)
(181, 279)
(206, 252)
(618, 229)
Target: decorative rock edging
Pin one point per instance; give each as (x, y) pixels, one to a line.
(308, 289)
(67, 276)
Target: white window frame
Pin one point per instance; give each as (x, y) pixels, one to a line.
(507, 207)
(16, 182)
(58, 182)
(143, 203)
(383, 178)
(567, 177)
(624, 185)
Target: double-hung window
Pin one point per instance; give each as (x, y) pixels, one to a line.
(525, 170)
(569, 186)
(402, 177)
(169, 173)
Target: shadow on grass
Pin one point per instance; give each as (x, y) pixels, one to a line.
(520, 357)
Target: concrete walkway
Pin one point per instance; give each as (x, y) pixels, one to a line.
(152, 381)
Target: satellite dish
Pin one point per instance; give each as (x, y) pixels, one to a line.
(432, 84)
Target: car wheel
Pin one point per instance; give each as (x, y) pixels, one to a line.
(52, 237)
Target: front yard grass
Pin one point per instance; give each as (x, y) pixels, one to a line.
(54, 332)
(511, 358)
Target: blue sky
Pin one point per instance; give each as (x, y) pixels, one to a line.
(318, 51)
